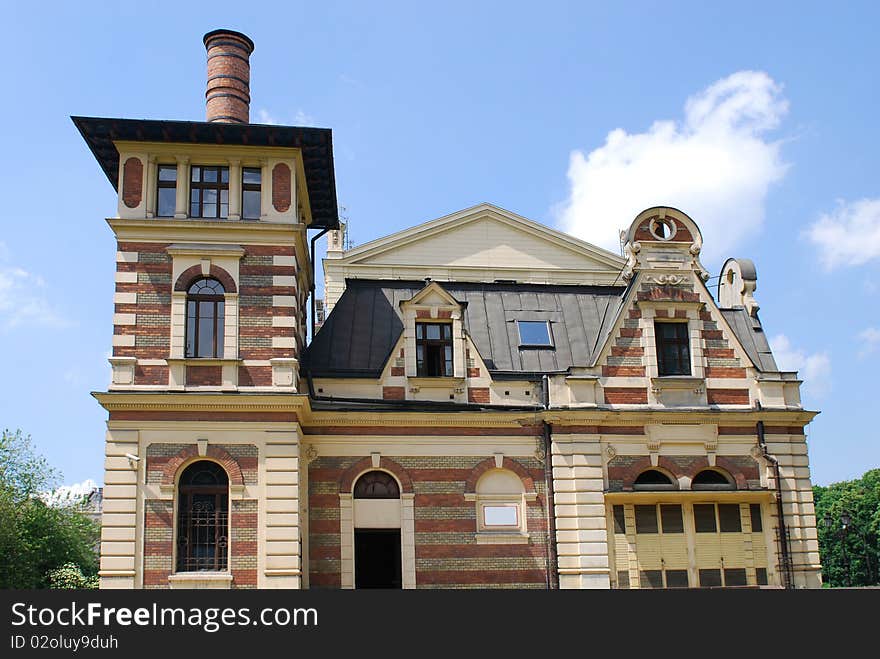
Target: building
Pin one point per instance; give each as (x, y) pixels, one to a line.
(488, 402)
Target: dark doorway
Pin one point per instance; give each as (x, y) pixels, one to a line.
(377, 558)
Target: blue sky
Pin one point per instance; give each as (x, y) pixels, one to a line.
(757, 119)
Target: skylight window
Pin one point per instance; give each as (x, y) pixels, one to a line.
(534, 333)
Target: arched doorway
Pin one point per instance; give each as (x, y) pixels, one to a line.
(377, 522)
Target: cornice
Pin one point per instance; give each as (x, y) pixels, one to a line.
(205, 231)
(299, 403)
(637, 417)
(202, 402)
(420, 420)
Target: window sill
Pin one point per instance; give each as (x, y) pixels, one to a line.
(438, 381)
(502, 538)
(677, 382)
(200, 580)
(202, 361)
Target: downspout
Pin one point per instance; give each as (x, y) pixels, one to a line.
(552, 558)
(312, 265)
(787, 569)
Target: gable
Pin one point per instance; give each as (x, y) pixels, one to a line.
(485, 237)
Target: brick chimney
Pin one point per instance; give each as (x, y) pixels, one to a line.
(228, 96)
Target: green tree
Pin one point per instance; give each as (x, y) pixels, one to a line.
(851, 558)
(36, 538)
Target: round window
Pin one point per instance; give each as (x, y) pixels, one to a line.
(662, 229)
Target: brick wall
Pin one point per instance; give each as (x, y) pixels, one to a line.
(446, 549)
(159, 519)
(148, 277)
(258, 307)
(142, 328)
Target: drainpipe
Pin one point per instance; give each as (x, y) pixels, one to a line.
(787, 568)
(312, 264)
(552, 558)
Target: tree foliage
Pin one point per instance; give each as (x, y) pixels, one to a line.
(851, 558)
(36, 538)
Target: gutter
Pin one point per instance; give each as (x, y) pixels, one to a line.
(312, 264)
(784, 552)
(550, 507)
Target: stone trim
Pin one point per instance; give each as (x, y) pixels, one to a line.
(507, 463)
(195, 272)
(346, 483)
(229, 463)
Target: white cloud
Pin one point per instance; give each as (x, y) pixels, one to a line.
(849, 235)
(301, 118)
(22, 300)
(814, 369)
(264, 117)
(70, 494)
(871, 341)
(716, 165)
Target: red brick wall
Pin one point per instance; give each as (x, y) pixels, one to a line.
(626, 395)
(204, 376)
(281, 183)
(478, 395)
(159, 516)
(447, 554)
(393, 393)
(132, 182)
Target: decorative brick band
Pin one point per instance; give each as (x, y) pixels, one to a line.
(470, 486)
(351, 474)
(281, 187)
(229, 463)
(132, 182)
(189, 275)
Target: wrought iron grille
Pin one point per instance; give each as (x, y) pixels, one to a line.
(202, 538)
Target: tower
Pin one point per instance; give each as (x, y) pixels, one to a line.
(210, 313)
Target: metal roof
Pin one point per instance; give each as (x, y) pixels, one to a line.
(751, 335)
(358, 336)
(316, 145)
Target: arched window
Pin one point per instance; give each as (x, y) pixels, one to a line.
(204, 318)
(500, 502)
(653, 479)
(202, 517)
(710, 479)
(376, 485)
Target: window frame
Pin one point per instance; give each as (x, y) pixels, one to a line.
(166, 185)
(183, 504)
(426, 343)
(201, 186)
(219, 321)
(251, 187)
(550, 345)
(681, 344)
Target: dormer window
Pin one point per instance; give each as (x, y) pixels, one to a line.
(166, 194)
(250, 193)
(209, 192)
(434, 349)
(673, 348)
(534, 334)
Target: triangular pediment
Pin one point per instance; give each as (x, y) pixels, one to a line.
(484, 237)
(432, 294)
